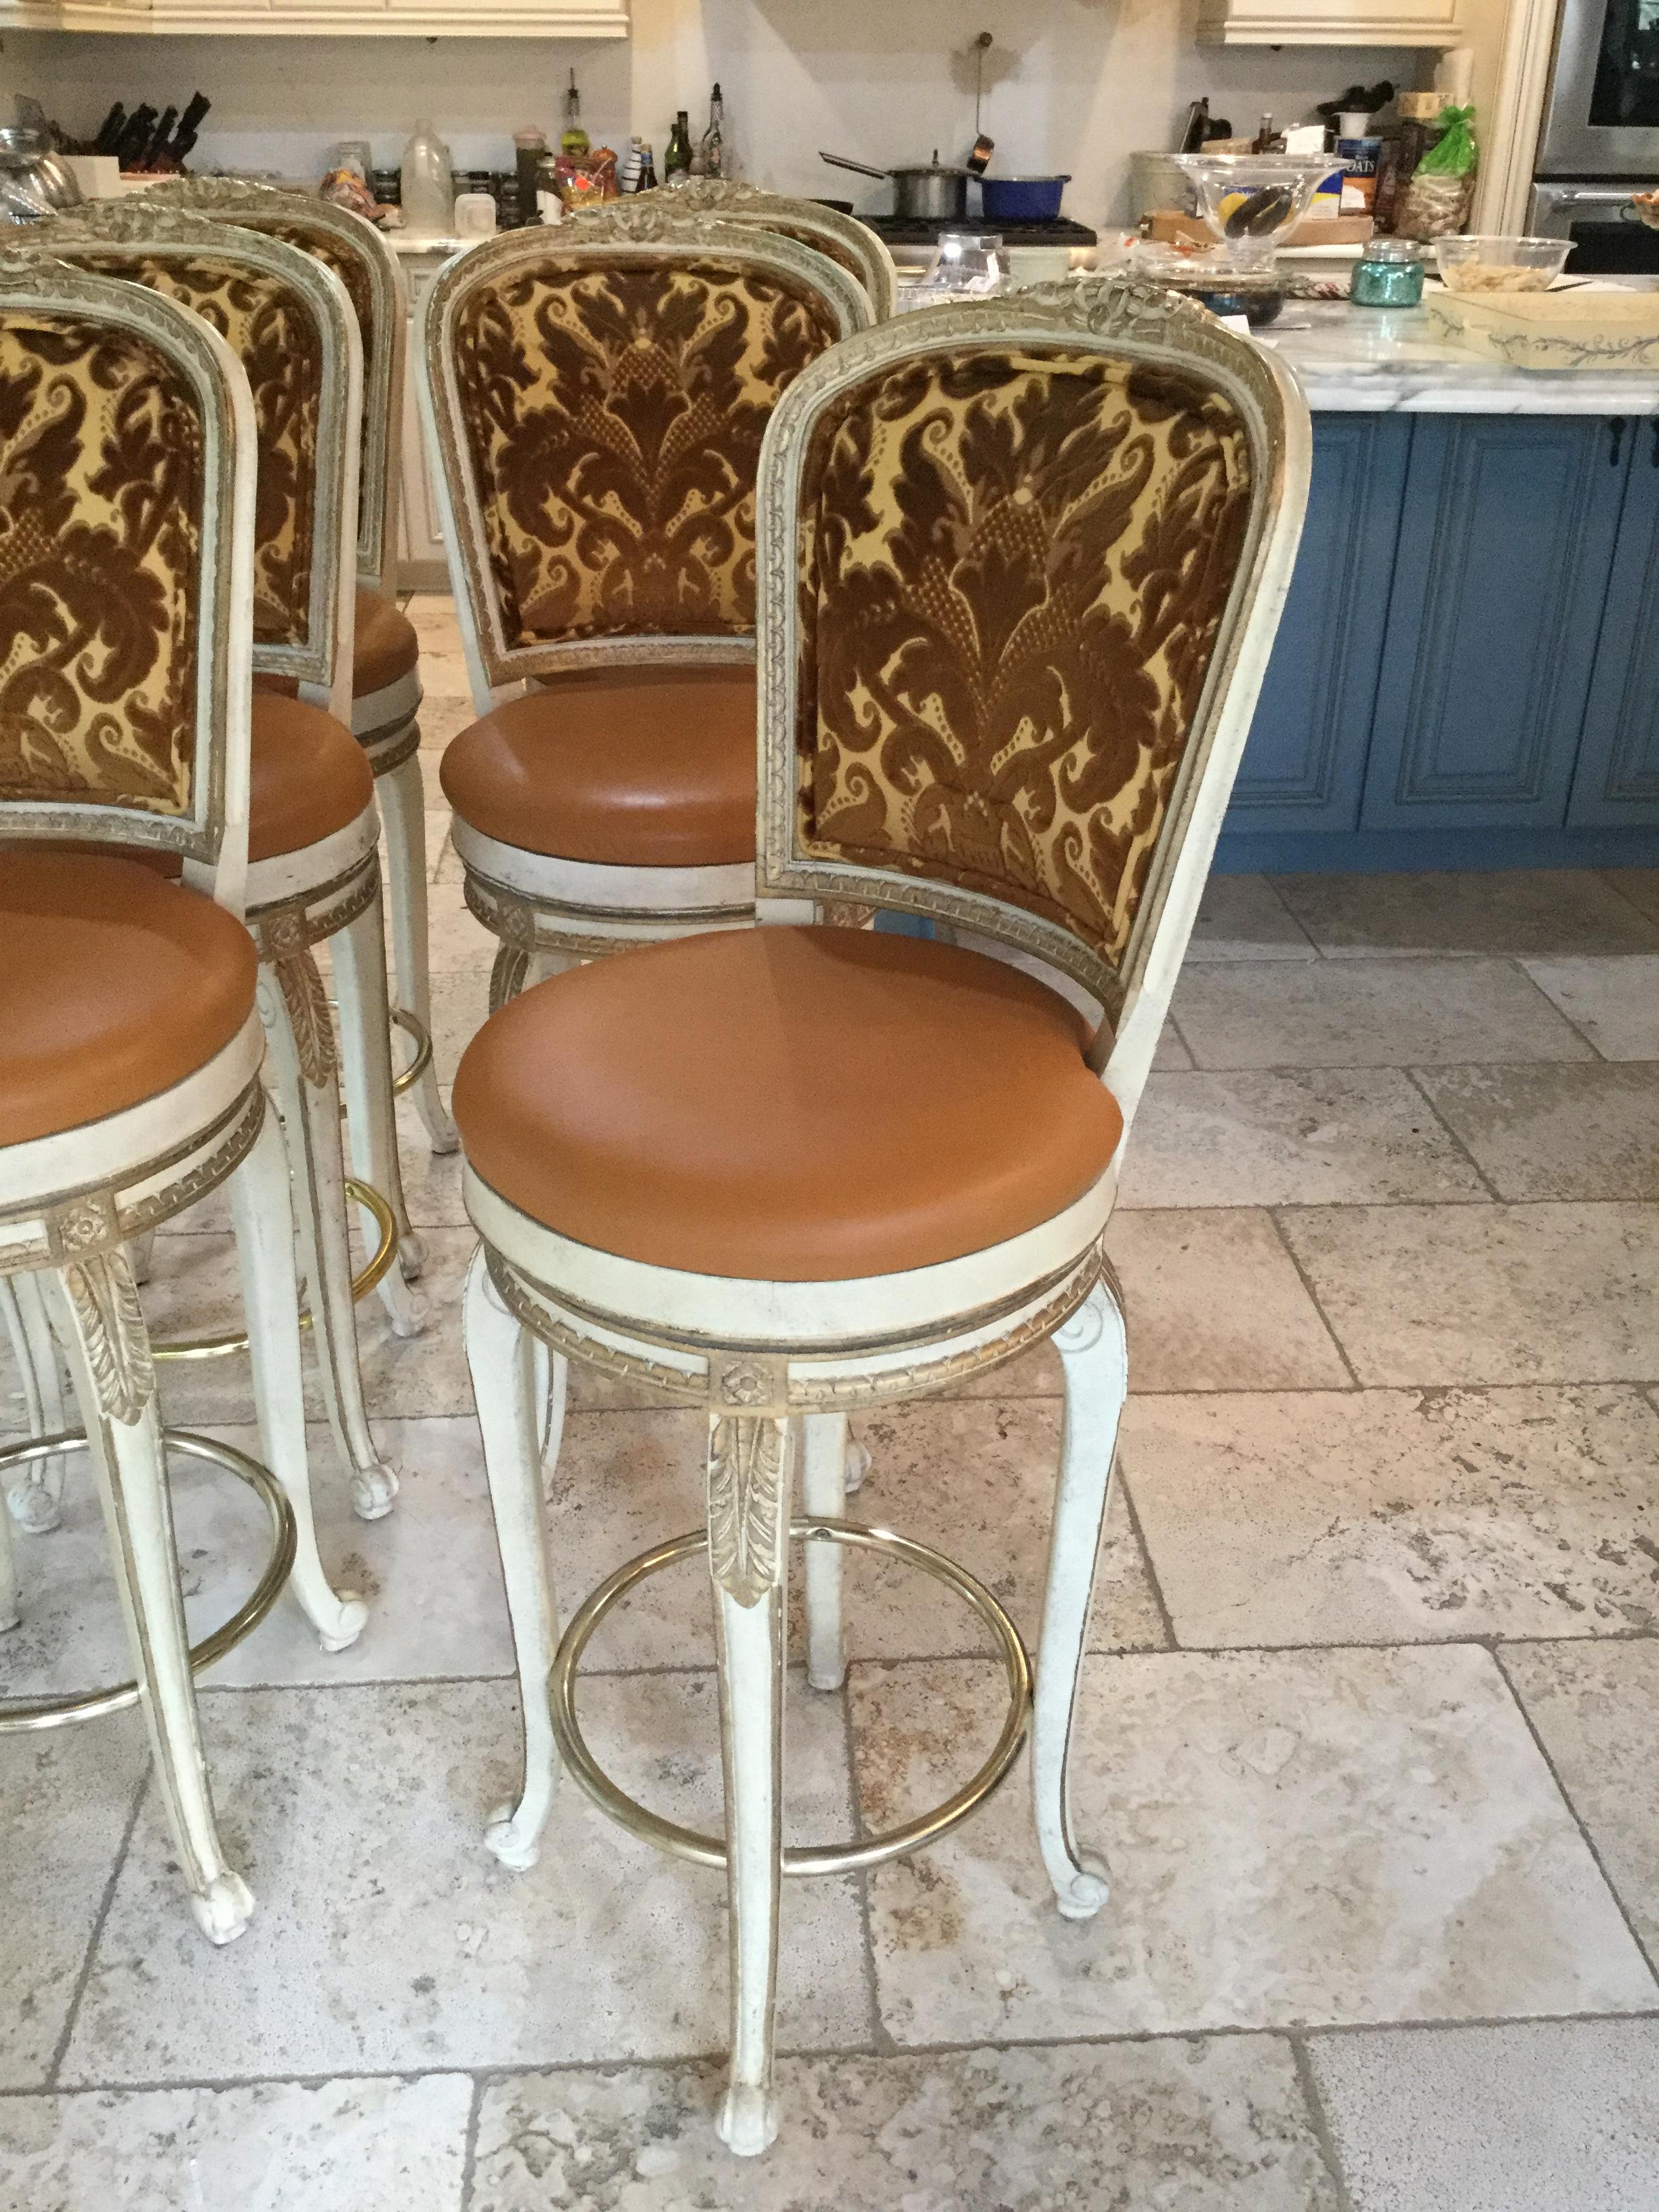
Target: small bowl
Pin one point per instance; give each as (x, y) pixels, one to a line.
(1482, 263)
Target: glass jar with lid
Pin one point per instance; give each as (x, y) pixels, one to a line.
(1388, 274)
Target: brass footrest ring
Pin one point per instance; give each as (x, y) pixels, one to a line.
(53, 1712)
(412, 1025)
(367, 1278)
(814, 1858)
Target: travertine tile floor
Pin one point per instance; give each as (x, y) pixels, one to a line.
(1370, 1730)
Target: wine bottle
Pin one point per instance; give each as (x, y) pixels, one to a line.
(677, 154)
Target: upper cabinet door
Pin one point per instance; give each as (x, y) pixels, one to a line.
(1505, 545)
(1618, 778)
(1304, 761)
(1331, 22)
(517, 19)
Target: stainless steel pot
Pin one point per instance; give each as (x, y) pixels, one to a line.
(936, 193)
(34, 182)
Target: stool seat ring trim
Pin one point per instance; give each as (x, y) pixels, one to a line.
(54, 1712)
(803, 1859)
(367, 1278)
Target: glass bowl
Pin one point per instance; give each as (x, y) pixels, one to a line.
(1484, 264)
(1252, 201)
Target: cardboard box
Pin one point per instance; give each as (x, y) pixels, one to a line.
(1169, 228)
(1571, 329)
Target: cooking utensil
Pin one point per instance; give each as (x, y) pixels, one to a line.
(1023, 199)
(933, 194)
(34, 182)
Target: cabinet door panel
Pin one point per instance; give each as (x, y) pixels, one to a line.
(1618, 778)
(1504, 549)
(1304, 761)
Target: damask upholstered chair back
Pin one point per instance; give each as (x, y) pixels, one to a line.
(842, 239)
(126, 528)
(1024, 561)
(290, 322)
(598, 406)
(364, 263)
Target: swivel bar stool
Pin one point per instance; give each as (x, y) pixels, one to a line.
(1021, 565)
(597, 406)
(313, 874)
(130, 1082)
(385, 682)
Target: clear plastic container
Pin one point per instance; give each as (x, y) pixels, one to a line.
(429, 183)
(1251, 202)
(1483, 263)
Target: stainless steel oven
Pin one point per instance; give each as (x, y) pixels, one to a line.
(1606, 239)
(1603, 115)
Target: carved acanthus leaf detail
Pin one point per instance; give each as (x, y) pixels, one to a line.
(104, 1301)
(307, 1003)
(748, 1503)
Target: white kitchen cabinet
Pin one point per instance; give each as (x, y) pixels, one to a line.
(1330, 22)
(473, 19)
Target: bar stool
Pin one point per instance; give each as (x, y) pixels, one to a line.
(842, 239)
(385, 682)
(130, 1085)
(313, 872)
(597, 406)
(1022, 564)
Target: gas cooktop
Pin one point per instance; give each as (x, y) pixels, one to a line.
(924, 230)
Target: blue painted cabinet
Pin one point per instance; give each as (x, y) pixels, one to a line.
(1617, 780)
(1304, 763)
(1506, 545)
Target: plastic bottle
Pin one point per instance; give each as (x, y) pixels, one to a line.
(428, 182)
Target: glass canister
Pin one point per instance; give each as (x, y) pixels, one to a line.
(1388, 274)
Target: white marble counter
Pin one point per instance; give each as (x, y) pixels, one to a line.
(1380, 359)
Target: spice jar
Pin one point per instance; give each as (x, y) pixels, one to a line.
(1387, 274)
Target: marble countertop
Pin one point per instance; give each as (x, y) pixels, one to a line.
(1380, 359)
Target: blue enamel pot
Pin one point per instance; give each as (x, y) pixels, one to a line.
(1022, 199)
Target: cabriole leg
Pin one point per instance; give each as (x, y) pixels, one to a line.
(263, 1215)
(35, 1502)
(748, 1525)
(402, 795)
(358, 951)
(294, 1010)
(824, 1485)
(500, 1355)
(115, 1384)
(1093, 1351)
(507, 974)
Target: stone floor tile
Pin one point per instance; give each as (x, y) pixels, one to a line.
(1214, 1302)
(1566, 1130)
(1170, 1052)
(1506, 912)
(67, 1797)
(443, 862)
(385, 1936)
(1595, 1708)
(428, 1569)
(1244, 918)
(1033, 1373)
(1295, 1837)
(1302, 1137)
(456, 940)
(1528, 2116)
(444, 683)
(1639, 885)
(1194, 2126)
(460, 1007)
(355, 2146)
(1368, 1013)
(445, 713)
(1395, 1515)
(1424, 1294)
(1615, 1002)
(432, 1181)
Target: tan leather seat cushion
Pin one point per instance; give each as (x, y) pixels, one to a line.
(386, 645)
(793, 1104)
(310, 776)
(114, 985)
(648, 769)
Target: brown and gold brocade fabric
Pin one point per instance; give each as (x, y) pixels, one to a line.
(273, 334)
(353, 273)
(1014, 564)
(616, 416)
(100, 502)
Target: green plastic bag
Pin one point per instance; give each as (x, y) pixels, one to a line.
(1452, 153)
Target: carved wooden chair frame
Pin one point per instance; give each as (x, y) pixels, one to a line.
(730, 200)
(758, 1357)
(72, 1202)
(545, 910)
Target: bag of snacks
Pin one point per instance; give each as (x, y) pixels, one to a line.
(1435, 201)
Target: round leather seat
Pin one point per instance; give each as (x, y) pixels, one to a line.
(309, 776)
(385, 645)
(640, 767)
(114, 985)
(789, 1104)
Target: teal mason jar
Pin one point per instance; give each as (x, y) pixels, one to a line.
(1388, 274)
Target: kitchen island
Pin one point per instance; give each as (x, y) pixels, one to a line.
(1467, 674)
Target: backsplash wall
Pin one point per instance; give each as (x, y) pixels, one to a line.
(1074, 85)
